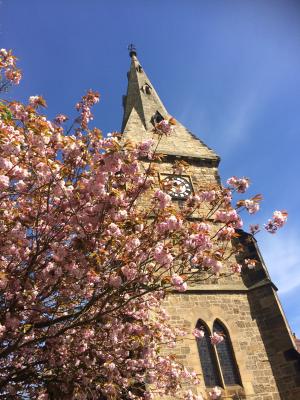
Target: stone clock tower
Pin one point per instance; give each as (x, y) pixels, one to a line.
(258, 359)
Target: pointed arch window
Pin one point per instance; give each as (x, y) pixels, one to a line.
(156, 118)
(226, 356)
(146, 88)
(207, 357)
(218, 362)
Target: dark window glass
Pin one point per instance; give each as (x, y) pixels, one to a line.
(207, 358)
(147, 89)
(226, 357)
(156, 118)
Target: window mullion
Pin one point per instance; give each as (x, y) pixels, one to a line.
(219, 366)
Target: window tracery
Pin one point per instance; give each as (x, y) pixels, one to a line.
(218, 362)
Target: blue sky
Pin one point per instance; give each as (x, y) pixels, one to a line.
(227, 69)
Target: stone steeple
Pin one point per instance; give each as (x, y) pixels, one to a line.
(141, 104)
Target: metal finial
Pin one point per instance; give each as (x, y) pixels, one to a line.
(132, 50)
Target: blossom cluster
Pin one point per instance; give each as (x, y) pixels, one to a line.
(239, 184)
(9, 69)
(279, 218)
(165, 127)
(84, 106)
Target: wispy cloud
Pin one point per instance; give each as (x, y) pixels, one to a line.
(236, 124)
(231, 125)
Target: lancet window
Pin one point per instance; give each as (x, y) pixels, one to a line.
(207, 357)
(218, 362)
(156, 118)
(226, 357)
(146, 88)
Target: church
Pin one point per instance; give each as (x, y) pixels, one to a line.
(258, 358)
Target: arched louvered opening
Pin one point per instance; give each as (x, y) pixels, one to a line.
(207, 357)
(226, 357)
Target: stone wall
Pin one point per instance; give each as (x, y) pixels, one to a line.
(234, 311)
(278, 341)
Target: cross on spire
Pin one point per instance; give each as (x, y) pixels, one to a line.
(132, 49)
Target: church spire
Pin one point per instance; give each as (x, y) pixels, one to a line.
(141, 98)
(142, 106)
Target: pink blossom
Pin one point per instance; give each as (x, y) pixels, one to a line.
(198, 333)
(271, 227)
(250, 263)
(3, 52)
(87, 101)
(203, 227)
(252, 206)
(2, 330)
(5, 163)
(163, 198)
(240, 184)
(113, 163)
(162, 256)
(170, 224)
(21, 185)
(227, 196)
(4, 182)
(60, 118)
(88, 333)
(215, 338)
(199, 241)
(254, 229)
(120, 215)
(226, 233)
(144, 148)
(129, 271)
(113, 230)
(182, 287)
(279, 218)
(208, 261)
(176, 280)
(216, 266)
(21, 173)
(33, 100)
(237, 268)
(92, 277)
(115, 281)
(132, 244)
(13, 75)
(189, 395)
(139, 228)
(226, 216)
(215, 393)
(230, 216)
(164, 127)
(19, 111)
(208, 196)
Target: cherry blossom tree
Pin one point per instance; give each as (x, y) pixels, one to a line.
(85, 263)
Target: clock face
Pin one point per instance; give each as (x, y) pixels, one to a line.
(177, 187)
